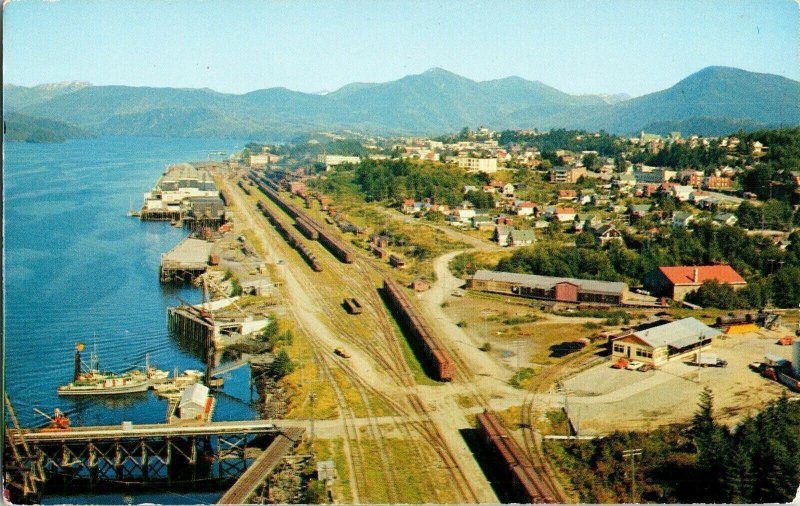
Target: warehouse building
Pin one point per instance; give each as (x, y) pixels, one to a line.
(658, 345)
(548, 287)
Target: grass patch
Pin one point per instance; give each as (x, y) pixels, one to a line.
(333, 449)
(522, 378)
(518, 320)
(376, 488)
(465, 401)
(511, 417)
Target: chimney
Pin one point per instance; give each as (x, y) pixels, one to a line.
(694, 275)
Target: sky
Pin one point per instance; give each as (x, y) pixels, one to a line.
(236, 46)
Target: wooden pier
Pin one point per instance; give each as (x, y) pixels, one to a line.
(185, 261)
(106, 455)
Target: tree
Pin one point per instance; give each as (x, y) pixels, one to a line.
(712, 293)
(281, 366)
(585, 240)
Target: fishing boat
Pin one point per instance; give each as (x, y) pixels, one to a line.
(96, 382)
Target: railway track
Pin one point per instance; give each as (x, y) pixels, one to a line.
(532, 446)
(399, 369)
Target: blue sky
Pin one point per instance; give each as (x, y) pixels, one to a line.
(235, 46)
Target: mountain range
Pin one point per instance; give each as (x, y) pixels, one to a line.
(709, 102)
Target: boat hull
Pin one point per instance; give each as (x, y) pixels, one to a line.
(70, 390)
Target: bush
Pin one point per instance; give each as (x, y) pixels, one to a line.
(520, 376)
(487, 347)
(462, 324)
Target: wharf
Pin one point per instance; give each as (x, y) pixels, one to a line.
(116, 432)
(185, 261)
(255, 476)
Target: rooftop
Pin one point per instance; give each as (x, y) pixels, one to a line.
(685, 275)
(548, 282)
(677, 334)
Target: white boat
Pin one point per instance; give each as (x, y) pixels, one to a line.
(96, 382)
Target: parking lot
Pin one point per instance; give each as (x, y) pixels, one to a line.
(603, 399)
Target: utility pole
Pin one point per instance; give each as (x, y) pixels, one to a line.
(560, 388)
(312, 399)
(632, 454)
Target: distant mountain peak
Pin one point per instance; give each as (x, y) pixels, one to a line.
(75, 85)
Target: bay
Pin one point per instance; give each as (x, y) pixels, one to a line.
(78, 269)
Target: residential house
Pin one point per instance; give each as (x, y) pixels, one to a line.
(526, 209)
(607, 233)
(585, 196)
(567, 195)
(682, 219)
(502, 234)
(482, 222)
(728, 219)
(564, 214)
(682, 192)
(407, 206)
(463, 215)
(698, 196)
(522, 237)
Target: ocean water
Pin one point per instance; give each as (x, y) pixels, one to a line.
(77, 269)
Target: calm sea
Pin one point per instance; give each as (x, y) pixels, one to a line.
(77, 269)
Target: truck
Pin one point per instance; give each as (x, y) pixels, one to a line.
(709, 360)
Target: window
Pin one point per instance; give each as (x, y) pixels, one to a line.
(618, 348)
(644, 353)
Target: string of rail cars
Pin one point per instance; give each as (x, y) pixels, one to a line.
(420, 336)
(527, 486)
(291, 239)
(324, 237)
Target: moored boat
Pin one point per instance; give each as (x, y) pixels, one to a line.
(95, 382)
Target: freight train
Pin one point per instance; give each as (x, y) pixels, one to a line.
(436, 359)
(527, 484)
(331, 243)
(290, 237)
(243, 187)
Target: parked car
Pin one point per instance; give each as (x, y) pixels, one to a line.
(786, 341)
(620, 364)
(646, 367)
(709, 360)
(341, 353)
(634, 365)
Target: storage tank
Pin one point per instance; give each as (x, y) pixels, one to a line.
(796, 358)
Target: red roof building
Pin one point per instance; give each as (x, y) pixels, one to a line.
(677, 281)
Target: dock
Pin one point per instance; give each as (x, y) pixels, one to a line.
(185, 261)
(164, 453)
(214, 324)
(255, 476)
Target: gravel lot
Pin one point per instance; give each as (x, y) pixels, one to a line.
(602, 399)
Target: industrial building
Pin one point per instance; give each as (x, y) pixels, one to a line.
(184, 192)
(658, 345)
(677, 281)
(550, 288)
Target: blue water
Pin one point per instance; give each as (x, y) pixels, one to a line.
(77, 269)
